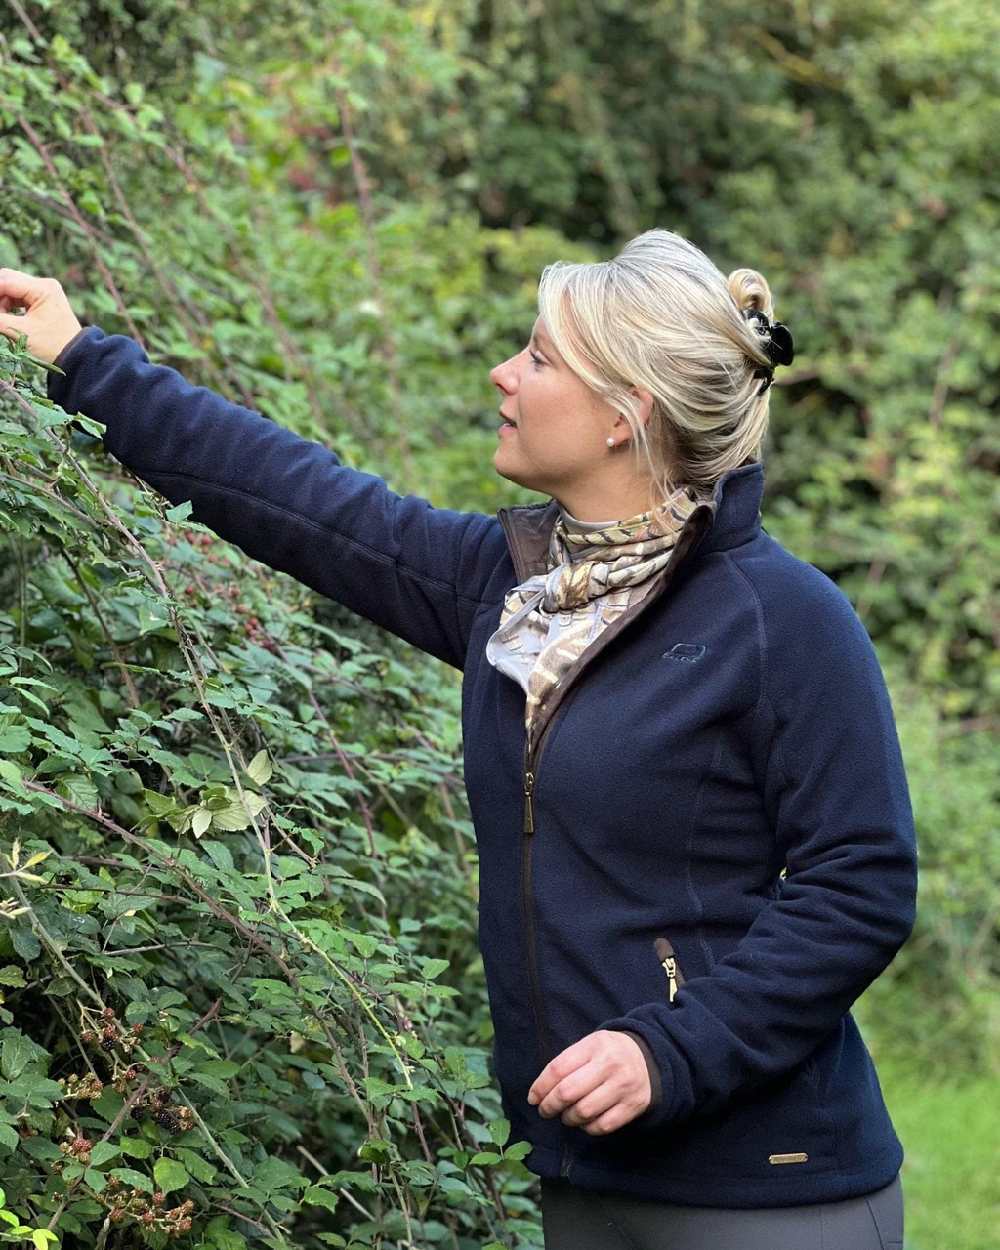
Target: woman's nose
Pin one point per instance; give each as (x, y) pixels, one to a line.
(504, 375)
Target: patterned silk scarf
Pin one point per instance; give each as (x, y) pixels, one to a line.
(594, 575)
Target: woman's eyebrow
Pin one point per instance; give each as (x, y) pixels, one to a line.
(542, 341)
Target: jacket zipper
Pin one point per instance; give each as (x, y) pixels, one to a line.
(668, 958)
(526, 899)
(528, 829)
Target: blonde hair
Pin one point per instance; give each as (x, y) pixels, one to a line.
(661, 316)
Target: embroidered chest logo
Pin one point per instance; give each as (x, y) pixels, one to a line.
(688, 652)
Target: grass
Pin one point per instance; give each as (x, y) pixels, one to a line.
(951, 1143)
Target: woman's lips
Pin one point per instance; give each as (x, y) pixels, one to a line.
(506, 429)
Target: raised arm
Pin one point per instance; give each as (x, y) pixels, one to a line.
(396, 560)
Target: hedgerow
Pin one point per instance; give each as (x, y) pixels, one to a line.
(239, 878)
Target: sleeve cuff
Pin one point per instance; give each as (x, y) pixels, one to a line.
(57, 385)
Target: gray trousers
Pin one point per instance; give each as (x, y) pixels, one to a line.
(585, 1219)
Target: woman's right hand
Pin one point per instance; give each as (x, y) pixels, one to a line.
(49, 322)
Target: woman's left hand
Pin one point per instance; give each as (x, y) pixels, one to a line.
(597, 1084)
(49, 321)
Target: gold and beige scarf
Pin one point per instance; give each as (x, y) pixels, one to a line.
(593, 576)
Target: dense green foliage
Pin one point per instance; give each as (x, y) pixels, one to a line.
(239, 876)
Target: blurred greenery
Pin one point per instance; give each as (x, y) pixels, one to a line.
(337, 213)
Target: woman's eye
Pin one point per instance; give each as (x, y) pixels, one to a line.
(537, 359)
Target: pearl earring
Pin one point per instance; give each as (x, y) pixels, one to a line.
(611, 441)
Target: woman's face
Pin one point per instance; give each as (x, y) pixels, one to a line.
(558, 443)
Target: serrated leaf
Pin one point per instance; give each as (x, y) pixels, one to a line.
(183, 510)
(499, 1131)
(433, 967)
(15, 1055)
(95, 1179)
(197, 1167)
(235, 816)
(128, 1176)
(10, 773)
(201, 821)
(259, 769)
(102, 1152)
(169, 1174)
(321, 1197)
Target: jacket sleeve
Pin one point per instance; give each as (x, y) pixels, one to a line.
(830, 772)
(411, 568)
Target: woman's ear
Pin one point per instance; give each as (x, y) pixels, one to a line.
(645, 403)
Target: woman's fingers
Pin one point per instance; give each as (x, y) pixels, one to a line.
(593, 1104)
(49, 321)
(23, 288)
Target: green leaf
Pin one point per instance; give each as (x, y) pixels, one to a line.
(169, 1174)
(137, 1147)
(200, 822)
(102, 1152)
(499, 1131)
(95, 1179)
(433, 967)
(183, 510)
(127, 1176)
(321, 1197)
(198, 1167)
(10, 773)
(259, 769)
(35, 1088)
(365, 944)
(11, 974)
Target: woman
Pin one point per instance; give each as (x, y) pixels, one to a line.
(695, 839)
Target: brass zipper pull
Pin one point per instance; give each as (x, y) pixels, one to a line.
(529, 816)
(668, 960)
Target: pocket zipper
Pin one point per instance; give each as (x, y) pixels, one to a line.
(668, 958)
